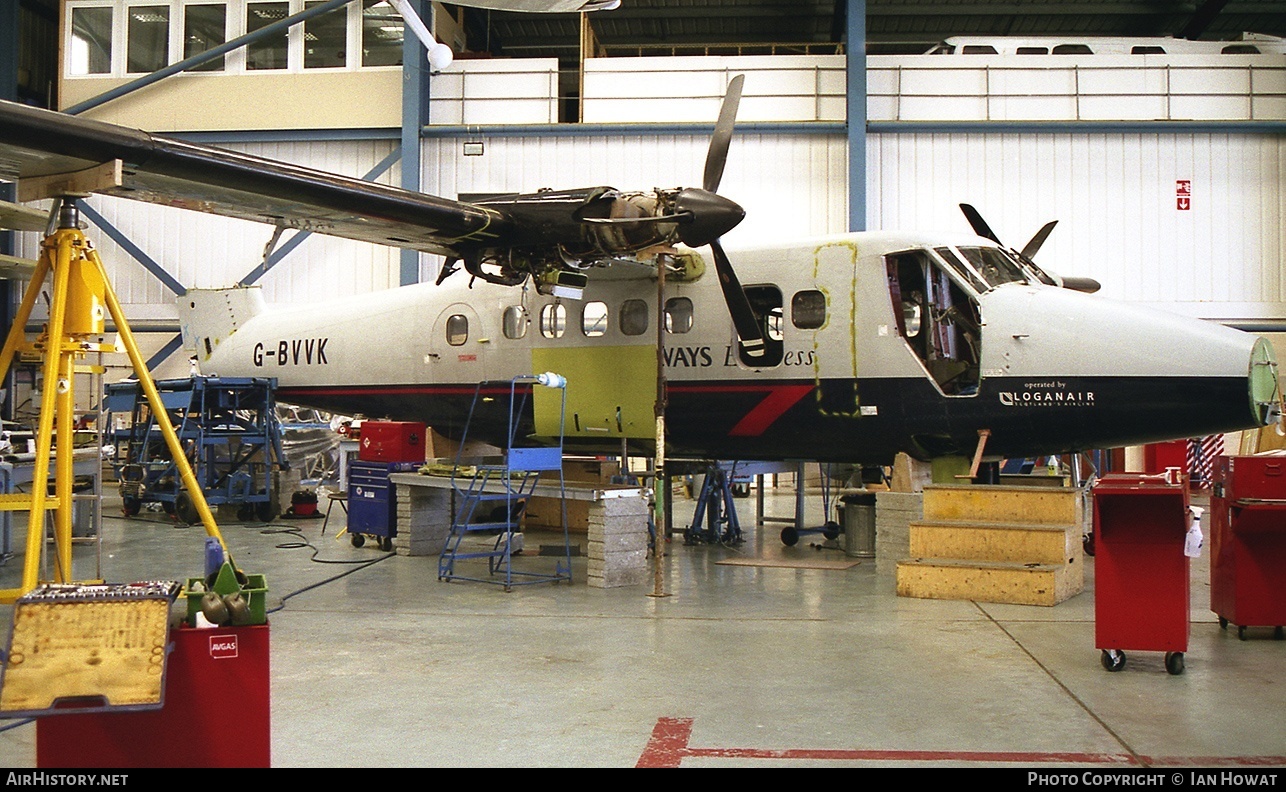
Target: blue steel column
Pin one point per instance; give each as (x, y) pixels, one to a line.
(415, 114)
(855, 56)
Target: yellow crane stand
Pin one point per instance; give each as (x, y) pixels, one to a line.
(81, 299)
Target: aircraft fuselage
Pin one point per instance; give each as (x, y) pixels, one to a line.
(876, 343)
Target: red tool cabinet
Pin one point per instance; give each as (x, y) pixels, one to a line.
(392, 441)
(216, 711)
(1141, 575)
(1248, 543)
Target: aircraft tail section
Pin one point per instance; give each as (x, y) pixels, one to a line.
(208, 317)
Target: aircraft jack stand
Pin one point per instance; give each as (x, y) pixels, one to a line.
(81, 297)
(716, 507)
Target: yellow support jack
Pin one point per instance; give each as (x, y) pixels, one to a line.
(81, 298)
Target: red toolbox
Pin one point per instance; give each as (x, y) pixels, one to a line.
(216, 711)
(1141, 575)
(391, 441)
(1248, 543)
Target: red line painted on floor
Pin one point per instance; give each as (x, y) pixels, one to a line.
(669, 746)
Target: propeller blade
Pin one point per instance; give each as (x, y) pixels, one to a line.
(980, 226)
(743, 316)
(717, 154)
(1029, 250)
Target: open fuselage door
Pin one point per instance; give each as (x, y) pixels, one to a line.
(938, 316)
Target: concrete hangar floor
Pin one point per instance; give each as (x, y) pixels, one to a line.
(739, 666)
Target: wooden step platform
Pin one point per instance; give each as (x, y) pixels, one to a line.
(988, 581)
(1019, 545)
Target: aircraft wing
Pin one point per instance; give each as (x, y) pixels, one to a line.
(40, 148)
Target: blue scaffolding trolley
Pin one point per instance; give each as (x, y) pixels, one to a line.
(228, 427)
(490, 498)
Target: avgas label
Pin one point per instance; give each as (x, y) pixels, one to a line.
(292, 352)
(223, 647)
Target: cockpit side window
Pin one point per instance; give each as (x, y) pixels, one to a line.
(994, 265)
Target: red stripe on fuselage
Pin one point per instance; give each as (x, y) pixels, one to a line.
(780, 398)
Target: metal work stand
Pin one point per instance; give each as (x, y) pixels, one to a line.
(81, 298)
(716, 507)
(491, 498)
(231, 426)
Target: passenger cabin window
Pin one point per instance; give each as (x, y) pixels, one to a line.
(678, 315)
(938, 319)
(593, 319)
(553, 320)
(1146, 49)
(515, 321)
(978, 49)
(1033, 50)
(808, 309)
(147, 39)
(457, 329)
(268, 53)
(634, 317)
(381, 34)
(326, 39)
(91, 41)
(1073, 49)
(765, 303)
(1240, 49)
(204, 28)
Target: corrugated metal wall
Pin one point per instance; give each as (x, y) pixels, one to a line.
(1114, 196)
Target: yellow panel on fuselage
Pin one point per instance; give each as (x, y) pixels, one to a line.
(611, 391)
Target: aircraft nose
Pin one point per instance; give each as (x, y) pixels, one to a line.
(1154, 375)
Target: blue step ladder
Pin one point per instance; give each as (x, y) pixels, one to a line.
(491, 497)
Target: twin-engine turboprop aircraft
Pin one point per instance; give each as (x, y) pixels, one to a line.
(846, 348)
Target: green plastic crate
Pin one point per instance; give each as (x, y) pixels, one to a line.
(254, 590)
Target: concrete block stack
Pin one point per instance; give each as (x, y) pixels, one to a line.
(617, 553)
(894, 513)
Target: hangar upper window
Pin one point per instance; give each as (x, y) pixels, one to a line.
(515, 322)
(325, 40)
(593, 319)
(457, 329)
(271, 52)
(112, 38)
(381, 34)
(205, 26)
(90, 49)
(553, 320)
(148, 34)
(634, 317)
